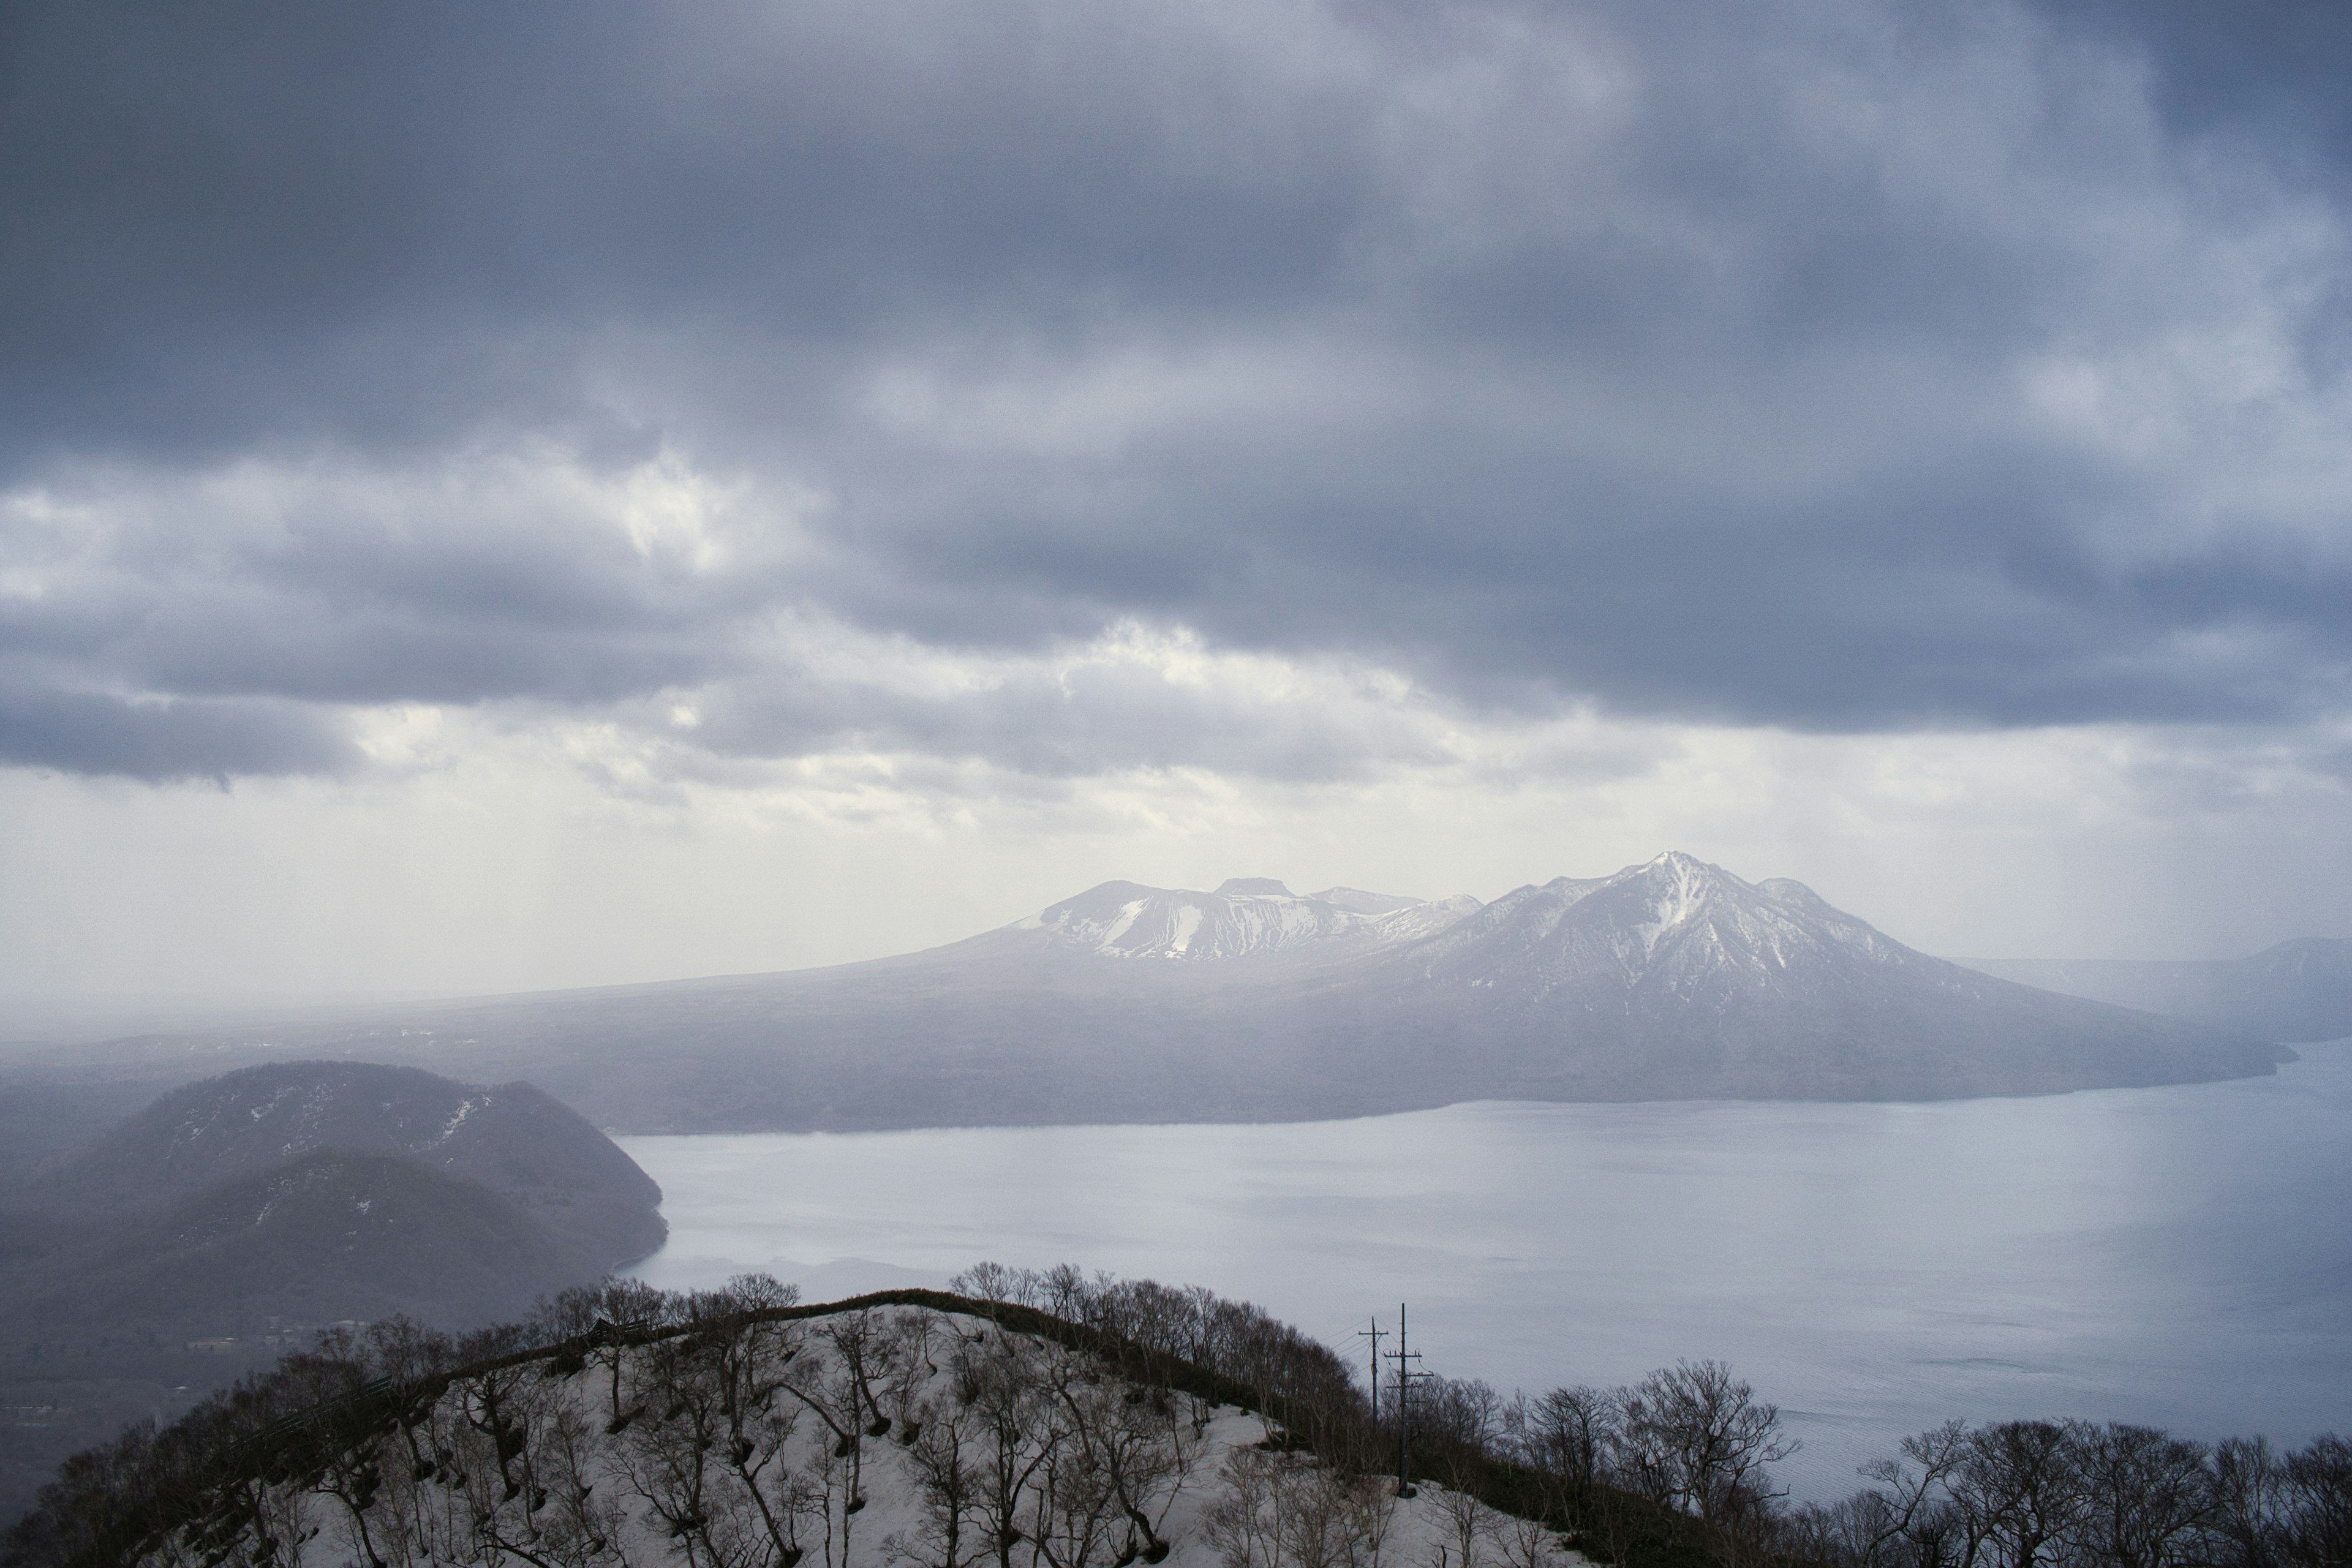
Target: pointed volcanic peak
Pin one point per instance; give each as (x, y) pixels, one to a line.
(1675, 926)
(1676, 979)
(1244, 917)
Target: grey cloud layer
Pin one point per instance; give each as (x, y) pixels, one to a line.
(1815, 364)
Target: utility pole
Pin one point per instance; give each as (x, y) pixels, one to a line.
(1404, 1356)
(1376, 1334)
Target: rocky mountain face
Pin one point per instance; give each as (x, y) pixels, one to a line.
(2297, 992)
(1673, 978)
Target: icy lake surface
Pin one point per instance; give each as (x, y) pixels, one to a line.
(2181, 1257)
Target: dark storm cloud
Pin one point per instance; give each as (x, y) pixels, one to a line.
(91, 733)
(2274, 71)
(1674, 360)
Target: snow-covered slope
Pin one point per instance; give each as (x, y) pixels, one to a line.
(1246, 917)
(1675, 977)
(1675, 925)
(890, 1436)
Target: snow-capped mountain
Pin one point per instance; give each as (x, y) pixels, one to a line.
(1675, 926)
(1245, 917)
(1676, 973)
(1672, 979)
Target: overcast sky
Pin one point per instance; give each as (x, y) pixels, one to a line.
(497, 496)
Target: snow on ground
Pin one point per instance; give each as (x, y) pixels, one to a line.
(605, 1497)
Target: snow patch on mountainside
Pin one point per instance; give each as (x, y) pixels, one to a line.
(1246, 917)
(1364, 903)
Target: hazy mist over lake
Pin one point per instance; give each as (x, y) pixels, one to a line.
(2153, 1254)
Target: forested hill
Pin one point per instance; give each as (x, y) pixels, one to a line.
(234, 1217)
(540, 1156)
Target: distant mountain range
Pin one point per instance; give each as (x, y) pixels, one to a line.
(2297, 992)
(1673, 978)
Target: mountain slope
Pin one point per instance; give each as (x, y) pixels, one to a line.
(193, 1241)
(910, 1425)
(323, 1236)
(514, 1139)
(2297, 992)
(1677, 976)
(1673, 978)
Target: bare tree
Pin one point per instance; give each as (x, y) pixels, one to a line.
(1889, 1521)
(743, 1360)
(944, 1457)
(2019, 1492)
(1072, 1507)
(998, 1379)
(1245, 1524)
(985, 1282)
(1528, 1542)
(581, 1526)
(2316, 1524)
(1467, 1524)
(840, 1389)
(1287, 1510)
(665, 1454)
(1695, 1438)
(1133, 1434)
(2147, 1496)
(1565, 1433)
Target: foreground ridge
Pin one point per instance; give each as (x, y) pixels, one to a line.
(1048, 1420)
(753, 1429)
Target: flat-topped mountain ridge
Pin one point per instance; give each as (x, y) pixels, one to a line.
(1245, 917)
(2298, 990)
(1670, 979)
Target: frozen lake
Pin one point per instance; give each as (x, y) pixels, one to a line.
(2181, 1257)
